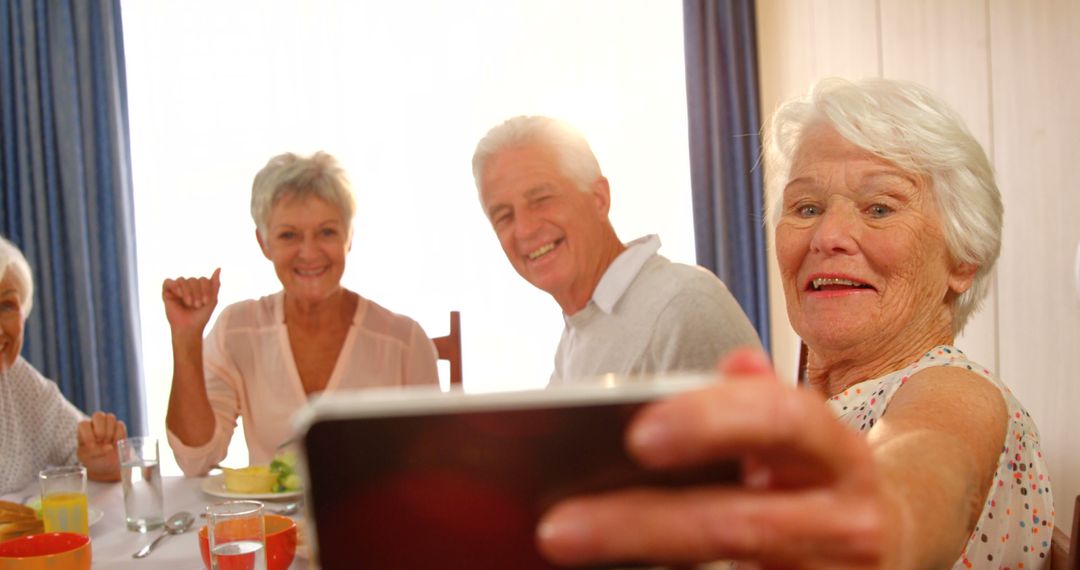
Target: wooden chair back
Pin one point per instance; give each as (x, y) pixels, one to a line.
(1065, 550)
(449, 348)
(800, 377)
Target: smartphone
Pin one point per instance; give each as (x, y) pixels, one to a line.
(418, 478)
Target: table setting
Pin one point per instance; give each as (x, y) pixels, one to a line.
(148, 521)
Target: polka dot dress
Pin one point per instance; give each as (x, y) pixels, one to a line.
(37, 426)
(1014, 528)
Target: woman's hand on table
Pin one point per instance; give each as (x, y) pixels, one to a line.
(97, 446)
(811, 496)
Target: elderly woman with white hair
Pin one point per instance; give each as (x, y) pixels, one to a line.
(903, 453)
(38, 427)
(265, 358)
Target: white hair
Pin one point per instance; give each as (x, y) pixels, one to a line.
(13, 261)
(576, 158)
(290, 174)
(908, 125)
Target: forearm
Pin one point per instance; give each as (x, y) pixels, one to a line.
(190, 416)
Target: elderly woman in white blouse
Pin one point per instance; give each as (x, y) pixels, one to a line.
(38, 427)
(264, 358)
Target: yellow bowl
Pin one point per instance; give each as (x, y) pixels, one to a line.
(254, 479)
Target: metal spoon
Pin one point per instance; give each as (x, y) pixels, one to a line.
(287, 509)
(177, 524)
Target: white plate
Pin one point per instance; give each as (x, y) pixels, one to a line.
(215, 485)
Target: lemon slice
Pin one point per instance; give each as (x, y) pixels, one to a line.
(254, 479)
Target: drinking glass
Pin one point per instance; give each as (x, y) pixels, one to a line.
(63, 499)
(236, 535)
(140, 473)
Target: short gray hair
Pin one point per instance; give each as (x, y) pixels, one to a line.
(290, 174)
(11, 259)
(906, 124)
(576, 158)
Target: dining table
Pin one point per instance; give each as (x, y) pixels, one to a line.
(113, 544)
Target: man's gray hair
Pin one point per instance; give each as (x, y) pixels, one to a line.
(576, 158)
(290, 174)
(908, 125)
(11, 259)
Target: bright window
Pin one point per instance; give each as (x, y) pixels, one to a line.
(399, 92)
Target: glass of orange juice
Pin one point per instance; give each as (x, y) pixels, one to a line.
(63, 499)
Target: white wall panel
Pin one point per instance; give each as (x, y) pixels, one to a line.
(1035, 55)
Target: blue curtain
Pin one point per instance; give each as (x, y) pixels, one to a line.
(722, 102)
(65, 174)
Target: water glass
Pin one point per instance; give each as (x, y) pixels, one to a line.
(63, 499)
(236, 535)
(140, 472)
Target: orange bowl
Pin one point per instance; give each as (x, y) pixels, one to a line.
(280, 542)
(49, 551)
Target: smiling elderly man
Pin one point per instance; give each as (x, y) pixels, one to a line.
(628, 310)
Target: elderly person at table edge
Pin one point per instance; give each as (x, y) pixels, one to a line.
(904, 454)
(265, 358)
(627, 309)
(38, 427)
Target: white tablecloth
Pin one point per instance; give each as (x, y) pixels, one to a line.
(114, 544)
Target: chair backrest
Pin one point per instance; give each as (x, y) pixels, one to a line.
(800, 374)
(1074, 538)
(449, 348)
(1065, 550)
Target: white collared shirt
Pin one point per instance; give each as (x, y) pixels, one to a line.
(649, 316)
